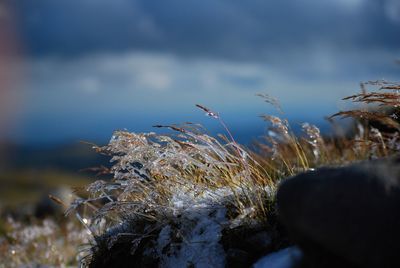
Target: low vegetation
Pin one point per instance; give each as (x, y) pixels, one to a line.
(174, 196)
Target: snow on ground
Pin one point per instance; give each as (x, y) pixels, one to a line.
(285, 258)
(202, 218)
(201, 215)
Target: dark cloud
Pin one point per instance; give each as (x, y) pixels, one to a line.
(133, 63)
(231, 29)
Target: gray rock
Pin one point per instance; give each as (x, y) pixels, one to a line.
(345, 217)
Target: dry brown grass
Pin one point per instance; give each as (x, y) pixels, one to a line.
(156, 177)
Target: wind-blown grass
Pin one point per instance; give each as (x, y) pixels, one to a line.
(175, 189)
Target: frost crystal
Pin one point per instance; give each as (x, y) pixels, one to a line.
(313, 138)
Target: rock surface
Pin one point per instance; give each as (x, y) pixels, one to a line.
(345, 217)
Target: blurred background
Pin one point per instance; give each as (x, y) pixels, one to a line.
(76, 70)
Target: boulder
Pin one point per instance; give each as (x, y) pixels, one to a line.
(347, 216)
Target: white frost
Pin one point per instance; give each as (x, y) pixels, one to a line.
(202, 219)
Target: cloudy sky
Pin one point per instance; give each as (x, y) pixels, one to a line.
(78, 69)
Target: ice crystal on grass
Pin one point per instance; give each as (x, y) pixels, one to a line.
(44, 244)
(173, 196)
(279, 127)
(186, 180)
(174, 199)
(208, 111)
(313, 138)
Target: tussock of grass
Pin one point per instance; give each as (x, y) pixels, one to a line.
(163, 180)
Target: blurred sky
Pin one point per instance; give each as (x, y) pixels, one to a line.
(79, 69)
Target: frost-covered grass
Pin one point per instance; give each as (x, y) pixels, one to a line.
(46, 243)
(173, 197)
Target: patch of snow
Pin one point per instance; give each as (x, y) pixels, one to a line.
(200, 246)
(285, 258)
(202, 217)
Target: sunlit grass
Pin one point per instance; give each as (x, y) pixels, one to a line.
(158, 179)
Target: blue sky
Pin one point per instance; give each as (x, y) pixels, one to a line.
(87, 67)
